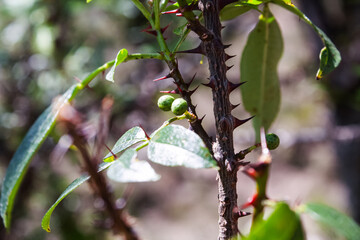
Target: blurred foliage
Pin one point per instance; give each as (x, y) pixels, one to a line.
(45, 45)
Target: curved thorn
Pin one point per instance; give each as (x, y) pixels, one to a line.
(197, 50)
(192, 91)
(227, 56)
(232, 86)
(229, 67)
(237, 122)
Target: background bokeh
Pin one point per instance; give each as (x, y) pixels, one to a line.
(45, 45)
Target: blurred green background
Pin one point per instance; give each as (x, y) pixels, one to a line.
(45, 45)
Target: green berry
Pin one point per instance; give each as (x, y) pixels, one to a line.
(272, 141)
(164, 102)
(179, 106)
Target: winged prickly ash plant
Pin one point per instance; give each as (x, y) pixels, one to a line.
(174, 145)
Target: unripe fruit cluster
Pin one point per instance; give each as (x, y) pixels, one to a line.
(272, 141)
(177, 106)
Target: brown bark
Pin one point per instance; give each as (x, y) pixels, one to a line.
(223, 147)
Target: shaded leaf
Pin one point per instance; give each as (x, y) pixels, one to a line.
(45, 222)
(28, 147)
(282, 224)
(334, 219)
(175, 145)
(129, 169)
(260, 58)
(131, 137)
(120, 57)
(235, 9)
(329, 56)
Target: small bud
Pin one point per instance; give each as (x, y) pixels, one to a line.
(272, 141)
(164, 102)
(179, 106)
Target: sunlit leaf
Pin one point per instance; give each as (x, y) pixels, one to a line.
(282, 224)
(45, 223)
(120, 57)
(131, 137)
(23, 156)
(260, 58)
(334, 219)
(232, 10)
(175, 145)
(129, 169)
(329, 56)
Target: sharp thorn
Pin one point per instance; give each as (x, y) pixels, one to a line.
(232, 86)
(149, 30)
(162, 78)
(192, 79)
(227, 56)
(227, 46)
(201, 119)
(171, 11)
(211, 84)
(198, 50)
(233, 106)
(229, 67)
(164, 28)
(192, 91)
(237, 122)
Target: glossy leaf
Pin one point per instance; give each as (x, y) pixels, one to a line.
(175, 145)
(121, 57)
(28, 147)
(235, 9)
(334, 219)
(260, 58)
(329, 56)
(129, 169)
(131, 137)
(282, 224)
(45, 223)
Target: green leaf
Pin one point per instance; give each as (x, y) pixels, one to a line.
(120, 57)
(329, 56)
(131, 137)
(45, 222)
(260, 58)
(175, 145)
(129, 169)
(333, 219)
(87, 1)
(28, 147)
(282, 224)
(235, 9)
(176, 5)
